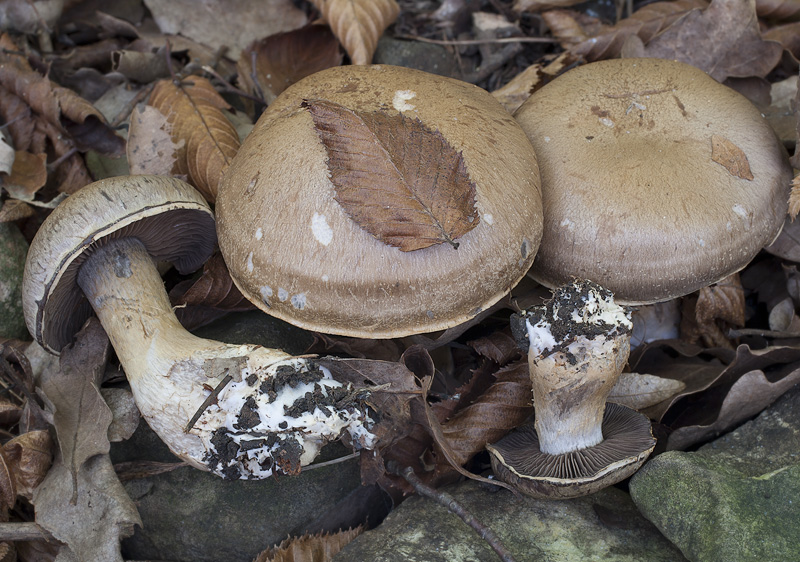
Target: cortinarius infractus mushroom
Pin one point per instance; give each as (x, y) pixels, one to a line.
(96, 251)
(578, 343)
(329, 215)
(656, 179)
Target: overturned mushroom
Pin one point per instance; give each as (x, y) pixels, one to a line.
(241, 411)
(578, 343)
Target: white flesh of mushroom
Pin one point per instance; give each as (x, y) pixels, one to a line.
(275, 412)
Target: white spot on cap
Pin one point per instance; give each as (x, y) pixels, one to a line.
(298, 301)
(741, 211)
(488, 218)
(568, 224)
(250, 262)
(321, 229)
(728, 226)
(325, 278)
(606, 121)
(283, 294)
(266, 293)
(400, 100)
(259, 233)
(701, 242)
(546, 139)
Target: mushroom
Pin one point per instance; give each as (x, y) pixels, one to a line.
(288, 207)
(241, 411)
(656, 179)
(578, 343)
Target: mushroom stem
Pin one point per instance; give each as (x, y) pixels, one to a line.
(578, 344)
(277, 409)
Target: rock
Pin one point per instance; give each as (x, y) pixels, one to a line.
(13, 250)
(415, 54)
(604, 526)
(194, 516)
(735, 499)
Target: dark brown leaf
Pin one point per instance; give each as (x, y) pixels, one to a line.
(30, 455)
(716, 309)
(396, 178)
(730, 157)
(778, 10)
(270, 65)
(214, 288)
(724, 40)
(499, 346)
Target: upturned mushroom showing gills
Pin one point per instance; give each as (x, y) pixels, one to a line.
(96, 251)
(656, 179)
(378, 202)
(577, 343)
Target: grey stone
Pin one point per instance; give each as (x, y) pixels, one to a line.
(735, 499)
(435, 59)
(193, 516)
(13, 251)
(604, 526)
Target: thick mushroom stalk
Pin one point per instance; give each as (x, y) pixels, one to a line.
(274, 413)
(577, 344)
(577, 347)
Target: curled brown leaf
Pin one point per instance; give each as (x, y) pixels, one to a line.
(358, 24)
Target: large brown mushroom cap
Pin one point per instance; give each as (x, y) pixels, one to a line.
(167, 215)
(294, 251)
(633, 197)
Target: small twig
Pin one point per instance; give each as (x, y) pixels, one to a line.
(210, 399)
(228, 87)
(330, 462)
(24, 532)
(60, 160)
(763, 333)
(479, 41)
(453, 506)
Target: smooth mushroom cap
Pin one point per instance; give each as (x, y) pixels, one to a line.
(167, 215)
(633, 197)
(293, 250)
(627, 442)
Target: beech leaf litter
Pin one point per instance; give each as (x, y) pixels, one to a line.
(92, 89)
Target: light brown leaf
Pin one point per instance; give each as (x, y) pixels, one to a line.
(520, 88)
(358, 24)
(794, 200)
(194, 109)
(396, 178)
(716, 308)
(151, 149)
(310, 548)
(730, 157)
(644, 23)
(270, 65)
(639, 391)
(564, 27)
(724, 40)
(28, 174)
(14, 210)
(30, 455)
(8, 484)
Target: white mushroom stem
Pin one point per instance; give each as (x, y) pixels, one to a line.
(571, 384)
(248, 431)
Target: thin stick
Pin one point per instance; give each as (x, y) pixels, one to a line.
(330, 462)
(479, 41)
(453, 506)
(24, 532)
(762, 333)
(210, 399)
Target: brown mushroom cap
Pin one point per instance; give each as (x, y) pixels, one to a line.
(168, 216)
(633, 197)
(627, 442)
(293, 250)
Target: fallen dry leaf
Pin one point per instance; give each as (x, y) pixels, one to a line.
(499, 346)
(565, 27)
(225, 24)
(151, 148)
(28, 175)
(715, 309)
(358, 24)
(6, 156)
(30, 456)
(309, 548)
(540, 5)
(194, 109)
(638, 391)
(778, 10)
(270, 65)
(396, 178)
(125, 414)
(782, 317)
(724, 40)
(213, 288)
(730, 157)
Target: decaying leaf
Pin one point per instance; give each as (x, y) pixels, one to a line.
(520, 88)
(730, 157)
(778, 10)
(270, 65)
(794, 199)
(358, 24)
(225, 24)
(638, 391)
(396, 178)
(214, 288)
(309, 548)
(716, 308)
(151, 149)
(782, 317)
(725, 41)
(30, 456)
(125, 414)
(28, 175)
(194, 109)
(499, 346)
